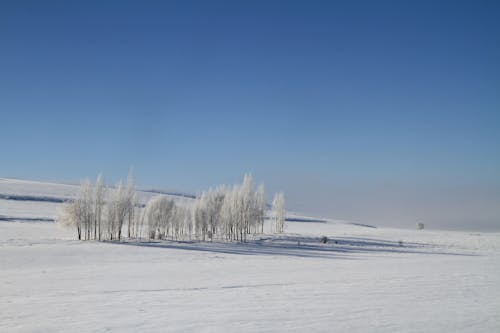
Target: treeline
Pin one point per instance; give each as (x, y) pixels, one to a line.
(229, 213)
(98, 213)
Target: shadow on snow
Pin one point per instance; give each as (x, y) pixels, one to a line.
(295, 246)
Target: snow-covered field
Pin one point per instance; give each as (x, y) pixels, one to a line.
(363, 280)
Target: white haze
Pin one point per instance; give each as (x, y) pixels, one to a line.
(467, 207)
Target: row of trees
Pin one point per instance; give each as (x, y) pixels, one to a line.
(229, 213)
(97, 213)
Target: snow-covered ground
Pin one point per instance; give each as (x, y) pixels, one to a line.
(363, 280)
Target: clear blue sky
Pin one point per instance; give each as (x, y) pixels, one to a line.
(374, 111)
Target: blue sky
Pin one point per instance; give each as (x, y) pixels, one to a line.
(380, 111)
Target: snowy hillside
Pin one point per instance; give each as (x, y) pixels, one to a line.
(363, 280)
(25, 200)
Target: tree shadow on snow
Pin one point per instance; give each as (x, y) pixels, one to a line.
(297, 246)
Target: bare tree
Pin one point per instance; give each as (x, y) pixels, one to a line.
(130, 203)
(79, 212)
(100, 193)
(260, 207)
(278, 212)
(159, 213)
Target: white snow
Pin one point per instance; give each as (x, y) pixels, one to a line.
(435, 281)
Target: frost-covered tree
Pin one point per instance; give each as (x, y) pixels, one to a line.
(224, 212)
(95, 218)
(242, 210)
(181, 222)
(246, 204)
(100, 194)
(79, 213)
(130, 202)
(260, 207)
(278, 213)
(159, 214)
(121, 209)
(118, 205)
(87, 203)
(71, 216)
(201, 217)
(207, 212)
(229, 214)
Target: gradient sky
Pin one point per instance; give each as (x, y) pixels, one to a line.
(382, 112)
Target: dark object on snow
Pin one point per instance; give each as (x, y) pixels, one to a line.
(400, 243)
(323, 240)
